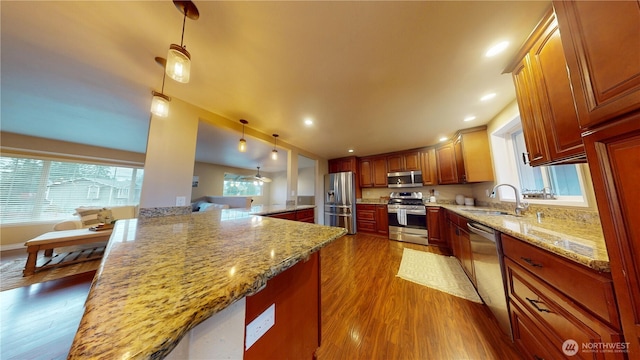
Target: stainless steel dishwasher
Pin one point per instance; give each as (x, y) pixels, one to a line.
(489, 280)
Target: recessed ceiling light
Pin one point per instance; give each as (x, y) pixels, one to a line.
(350, 150)
(496, 49)
(444, 139)
(308, 121)
(469, 118)
(488, 97)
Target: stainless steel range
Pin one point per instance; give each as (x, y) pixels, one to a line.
(407, 217)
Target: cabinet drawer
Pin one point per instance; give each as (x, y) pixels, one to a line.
(287, 215)
(529, 338)
(594, 291)
(367, 226)
(558, 316)
(368, 215)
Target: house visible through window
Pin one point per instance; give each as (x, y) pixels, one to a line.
(41, 190)
(239, 185)
(557, 184)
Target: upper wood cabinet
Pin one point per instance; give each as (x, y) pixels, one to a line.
(601, 42)
(429, 168)
(465, 160)
(543, 90)
(373, 171)
(343, 164)
(613, 152)
(406, 161)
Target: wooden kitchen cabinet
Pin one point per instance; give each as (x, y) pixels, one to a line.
(460, 241)
(601, 42)
(543, 90)
(613, 152)
(372, 219)
(373, 171)
(405, 161)
(436, 227)
(428, 166)
(553, 299)
(344, 164)
(467, 159)
(304, 215)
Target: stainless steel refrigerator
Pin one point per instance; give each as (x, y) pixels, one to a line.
(340, 201)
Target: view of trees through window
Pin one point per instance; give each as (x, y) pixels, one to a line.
(236, 185)
(37, 190)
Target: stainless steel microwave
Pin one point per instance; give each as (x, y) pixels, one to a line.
(404, 179)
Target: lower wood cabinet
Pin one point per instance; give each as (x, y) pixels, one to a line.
(372, 219)
(436, 227)
(460, 241)
(304, 215)
(553, 300)
(296, 295)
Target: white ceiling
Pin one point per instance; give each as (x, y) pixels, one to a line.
(374, 76)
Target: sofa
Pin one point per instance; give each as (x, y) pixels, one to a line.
(91, 216)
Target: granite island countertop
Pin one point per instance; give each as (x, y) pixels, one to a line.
(162, 276)
(581, 242)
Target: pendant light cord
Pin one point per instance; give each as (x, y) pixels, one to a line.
(184, 19)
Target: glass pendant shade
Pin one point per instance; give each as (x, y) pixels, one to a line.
(274, 154)
(160, 104)
(178, 63)
(242, 145)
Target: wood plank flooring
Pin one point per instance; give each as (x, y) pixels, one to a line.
(369, 313)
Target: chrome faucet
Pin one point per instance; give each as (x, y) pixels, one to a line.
(520, 205)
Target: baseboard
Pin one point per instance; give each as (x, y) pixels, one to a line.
(12, 247)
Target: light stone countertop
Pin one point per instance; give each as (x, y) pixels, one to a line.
(162, 276)
(578, 241)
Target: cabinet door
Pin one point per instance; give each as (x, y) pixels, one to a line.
(429, 170)
(435, 228)
(446, 161)
(601, 45)
(366, 172)
(476, 156)
(559, 118)
(459, 160)
(466, 256)
(395, 163)
(613, 153)
(382, 220)
(379, 171)
(528, 105)
(412, 161)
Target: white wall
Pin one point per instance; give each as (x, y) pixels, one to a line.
(278, 188)
(306, 181)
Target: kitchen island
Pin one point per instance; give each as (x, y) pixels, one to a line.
(160, 277)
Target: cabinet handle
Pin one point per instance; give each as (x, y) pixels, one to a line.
(535, 305)
(525, 158)
(530, 262)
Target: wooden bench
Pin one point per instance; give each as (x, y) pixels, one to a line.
(58, 239)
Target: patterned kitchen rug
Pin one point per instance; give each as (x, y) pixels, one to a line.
(443, 273)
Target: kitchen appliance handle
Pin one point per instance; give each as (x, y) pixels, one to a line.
(482, 231)
(334, 214)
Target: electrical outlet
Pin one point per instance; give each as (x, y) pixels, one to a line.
(181, 200)
(436, 193)
(488, 192)
(259, 326)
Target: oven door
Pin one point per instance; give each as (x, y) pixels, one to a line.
(408, 225)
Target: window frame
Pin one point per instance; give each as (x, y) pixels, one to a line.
(504, 153)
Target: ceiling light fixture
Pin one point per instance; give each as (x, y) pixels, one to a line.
(308, 122)
(160, 101)
(488, 97)
(179, 60)
(274, 152)
(469, 118)
(242, 145)
(350, 150)
(444, 139)
(496, 49)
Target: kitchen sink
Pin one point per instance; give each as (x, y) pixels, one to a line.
(486, 212)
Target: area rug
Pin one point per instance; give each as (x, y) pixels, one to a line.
(11, 273)
(443, 273)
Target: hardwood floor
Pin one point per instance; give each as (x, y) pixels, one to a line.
(369, 313)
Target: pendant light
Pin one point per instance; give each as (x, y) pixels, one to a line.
(160, 101)
(274, 152)
(178, 59)
(242, 145)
